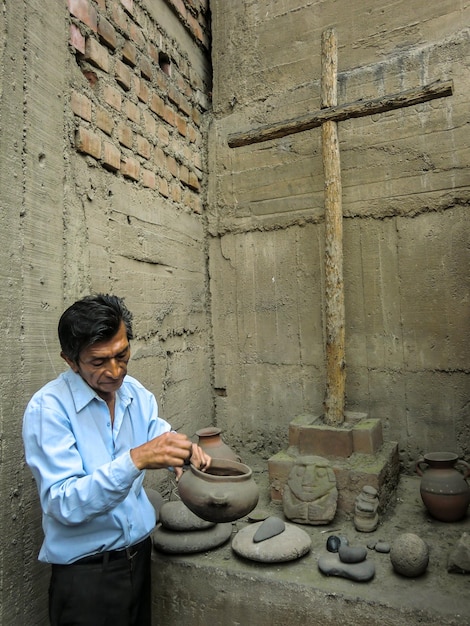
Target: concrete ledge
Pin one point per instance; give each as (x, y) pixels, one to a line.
(219, 588)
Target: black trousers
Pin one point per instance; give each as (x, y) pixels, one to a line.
(112, 589)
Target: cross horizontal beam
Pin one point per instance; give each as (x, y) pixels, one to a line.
(358, 108)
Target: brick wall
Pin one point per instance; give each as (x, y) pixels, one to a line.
(138, 114)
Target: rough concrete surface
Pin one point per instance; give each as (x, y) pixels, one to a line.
(220, 588)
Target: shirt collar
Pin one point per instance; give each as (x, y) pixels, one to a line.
(83, 394)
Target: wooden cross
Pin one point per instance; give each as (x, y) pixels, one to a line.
(328, 118)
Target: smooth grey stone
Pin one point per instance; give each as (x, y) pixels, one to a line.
(173, 542)
(459, 558)
(175, 515)
(330, 565)
(382, 546)
(352, 554)
(291, 544)
(271, 527)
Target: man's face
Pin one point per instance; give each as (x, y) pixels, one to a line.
(103, 365)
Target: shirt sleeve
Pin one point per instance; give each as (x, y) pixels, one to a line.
(70, 492)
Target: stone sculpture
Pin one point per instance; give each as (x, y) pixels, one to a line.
(310, 495)
(366, 517)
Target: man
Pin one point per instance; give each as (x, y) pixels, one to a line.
(89, 436)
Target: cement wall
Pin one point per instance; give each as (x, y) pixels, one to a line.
(103, 178)
(406, 193)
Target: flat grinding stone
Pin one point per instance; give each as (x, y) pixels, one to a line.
(291, 544)
(331, 565)
(175, 515)
(173, 542)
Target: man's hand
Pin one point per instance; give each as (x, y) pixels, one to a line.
(169, 450)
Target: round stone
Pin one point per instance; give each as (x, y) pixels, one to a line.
(333, 543)
(291, 544)
(173, 542)
(175, 515)
(409, 555)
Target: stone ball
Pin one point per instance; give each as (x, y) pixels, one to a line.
(409, 555)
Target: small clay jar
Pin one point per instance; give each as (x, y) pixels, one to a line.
(212, 443)
(224, 492)
(444, 489)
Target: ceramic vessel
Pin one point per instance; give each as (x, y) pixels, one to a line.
(444, 489)
(224, 492)
(212, 443)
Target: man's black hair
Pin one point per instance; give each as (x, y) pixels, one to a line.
(90, 320)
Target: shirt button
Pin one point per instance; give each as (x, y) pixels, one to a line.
(108, 424)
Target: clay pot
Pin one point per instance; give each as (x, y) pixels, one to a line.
(444, 489)
(224, 492)
(213, 445)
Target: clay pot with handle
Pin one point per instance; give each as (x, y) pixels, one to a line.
(444, 488)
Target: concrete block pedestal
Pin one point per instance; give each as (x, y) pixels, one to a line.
(355, 449)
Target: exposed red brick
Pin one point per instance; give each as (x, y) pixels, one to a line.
(111, 157)
(163, 187)
(130, 168)
(157, 105)
(172, 165)
(137, 36)
(88, 142)
(84, 11)
(128, 5)
(193, 181)
(184, 105)
(123, 75)
(119, 16)
(101, 4)
(146, 68)
(163, 135)
(81, 105)
(192, 134)
(181, 125)
(149, 179)
(125, 135)
(143, 147)
(141, 89)
(183, 174)
(129, 53)
(150, 124)
(175, 192)
(96, 54)
(173, 95)
(104, 121)
(132, 111)
(169, 115)
(159, 157)
(107, 33)
(153, 53)
(112, 97)
(77, 40)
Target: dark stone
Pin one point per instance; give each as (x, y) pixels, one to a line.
(333, 543)
(271, 527)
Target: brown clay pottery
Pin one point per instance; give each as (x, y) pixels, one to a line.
(213, 445)
(224, 492)
(444, 489)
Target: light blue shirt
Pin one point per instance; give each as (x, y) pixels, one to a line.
(91, 492)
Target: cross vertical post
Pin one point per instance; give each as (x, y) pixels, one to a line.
(334, 285)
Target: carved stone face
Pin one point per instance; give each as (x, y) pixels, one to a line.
(311, 478)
